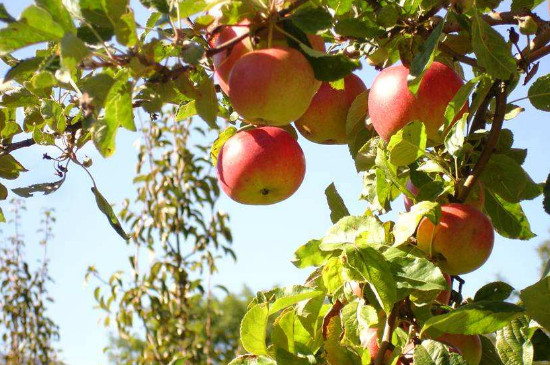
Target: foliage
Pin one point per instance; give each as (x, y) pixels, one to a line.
(98, 64)
(28, 333)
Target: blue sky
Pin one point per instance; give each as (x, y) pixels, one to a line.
(264, 237)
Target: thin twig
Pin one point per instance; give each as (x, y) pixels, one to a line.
(459, 57)
(500, 111)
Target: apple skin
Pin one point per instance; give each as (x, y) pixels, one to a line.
(272, 86)
(476, 198)
(463, 239)
(324, 121)
(444, 296)
(469, 346)
(261, 166)
(369, 340)
(392, 106)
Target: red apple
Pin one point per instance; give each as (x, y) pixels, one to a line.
(261, 166)
(225, 60)
(325, 120)
(369, 340)
(469, 346)
(444, 296)
(461, 242)
(272, 86)
(392, 105)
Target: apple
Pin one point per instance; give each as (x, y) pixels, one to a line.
(392, 105)
(369, 340)
(225, 60)
(462, 240)
(324, 121)
(261, 166)
(469, 346)
(444, 296)
(272, 86)
(476, 198)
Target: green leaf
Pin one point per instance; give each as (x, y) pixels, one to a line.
(539, 93)
(253, 329)
(2, 217)
(281, 298)
(219, 142)
(159, 5)
(508, 219)
(475, 318)
(310, 254)
(408, 144)
(492, 51)
(5, 16)
(97, 87)
(431, 352)
(329, 67)
(357, 113)
(518, 5)
(312, 20)
(251, 359)
(505, 177)
(59, 12)
(10, 167)
(23, 70)
(35, 26)
(513, 343)
(107, 209)
(424, 57)
(494, 291)
(406, 224)
(187, 110)
(336, 353)
(541, 345)
(338, 209)
(206, 102)
(125, 30)
(546, 201)
(489, 355)
(73, 51)
(535, 299)
(367, 264)
(46, 188)
(347, 229)
(459, 100)
(358, 28)
(332, 275)
(454, 140)
(118, 105)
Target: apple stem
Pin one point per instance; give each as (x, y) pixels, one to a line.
(385, 344)
(496, 127)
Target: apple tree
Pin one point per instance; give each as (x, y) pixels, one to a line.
(432, 127)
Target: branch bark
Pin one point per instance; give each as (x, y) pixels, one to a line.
(500, 111)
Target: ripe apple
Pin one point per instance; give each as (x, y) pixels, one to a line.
(392, 105)
(325, 120)
(469, 346)
(461, 242)
(225, 60)
(272, 86)
(369, 340)
(261, 166)
(444, 296)
(476, 198)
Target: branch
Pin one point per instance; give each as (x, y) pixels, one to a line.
(498, 119)
(493, 18)
(539, 53)
(459, 57)
(386, 337)
(479, 120)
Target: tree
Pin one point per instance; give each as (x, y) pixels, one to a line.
(446, 107)
(28, 333)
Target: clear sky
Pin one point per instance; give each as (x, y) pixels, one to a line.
(264, 237)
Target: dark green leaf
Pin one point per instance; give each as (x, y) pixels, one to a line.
(338, 209)
(541, 345)
(358, 28)
(329, 67)
(546, 201)
(10, 167)
(508, 219)
(159, 5)
(475, 318)
(423, 59)
(535, 299)
(518, 5)
(125, 30)
(312, 20)
(107, 209)
(23, 70)
(5, 16)
(489, 355)
(46, 188)
(494, 291)
(539, 93)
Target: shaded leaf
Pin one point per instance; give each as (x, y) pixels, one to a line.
(46, 188)
(107, 209)
(338, 209)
